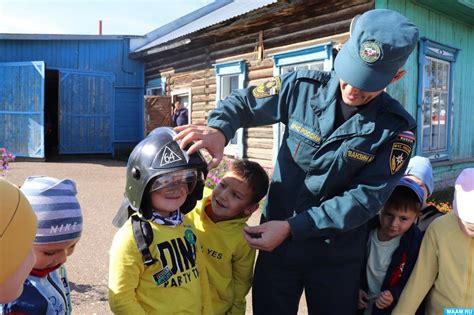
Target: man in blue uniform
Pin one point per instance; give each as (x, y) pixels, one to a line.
(345, 147)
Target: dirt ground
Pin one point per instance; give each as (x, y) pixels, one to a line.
(100, 184)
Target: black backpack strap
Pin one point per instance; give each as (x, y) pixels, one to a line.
(142, 232)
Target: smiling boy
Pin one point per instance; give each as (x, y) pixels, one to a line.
(219, 220)
(155, 264)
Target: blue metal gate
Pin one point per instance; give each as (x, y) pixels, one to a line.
(22, 108)
(86, 102)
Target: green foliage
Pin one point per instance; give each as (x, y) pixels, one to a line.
(215, 175)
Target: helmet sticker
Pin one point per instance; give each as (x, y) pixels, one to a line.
(370, 51)
(169, 156)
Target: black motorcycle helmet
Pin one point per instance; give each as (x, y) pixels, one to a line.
(157, 155)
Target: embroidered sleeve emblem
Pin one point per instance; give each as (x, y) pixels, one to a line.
(401, 150)
(269, 88)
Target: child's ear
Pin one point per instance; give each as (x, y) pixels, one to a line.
(251, 209)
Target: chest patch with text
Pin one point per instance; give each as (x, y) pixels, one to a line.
(305, 132)
(360, 156)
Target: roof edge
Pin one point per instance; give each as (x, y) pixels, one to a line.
(137, 43)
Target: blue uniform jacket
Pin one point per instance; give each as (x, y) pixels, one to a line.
(325, 181)
(400, 268)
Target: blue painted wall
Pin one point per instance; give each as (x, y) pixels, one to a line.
(107, 56)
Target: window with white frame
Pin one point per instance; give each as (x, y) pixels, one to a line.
(231, 76)
(156, 87)
(318, 57)
(435, 104)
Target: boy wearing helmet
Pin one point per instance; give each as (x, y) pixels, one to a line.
(156, 263)
(17, 232)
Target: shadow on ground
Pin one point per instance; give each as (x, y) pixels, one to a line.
(88, 292)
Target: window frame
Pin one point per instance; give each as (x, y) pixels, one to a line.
(436, 51)
(156, 84)
(314, 53)
(236, 67)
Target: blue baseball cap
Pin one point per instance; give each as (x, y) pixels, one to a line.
(379, 45)
(410, 183)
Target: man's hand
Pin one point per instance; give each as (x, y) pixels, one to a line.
(384, 300)
(268, 235)
(204, 137)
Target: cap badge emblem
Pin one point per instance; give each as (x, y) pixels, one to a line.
(370, 51)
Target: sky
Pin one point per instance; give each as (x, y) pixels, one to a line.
(119, 17)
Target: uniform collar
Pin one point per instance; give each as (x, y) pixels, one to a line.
(324, 105)
(326, 97)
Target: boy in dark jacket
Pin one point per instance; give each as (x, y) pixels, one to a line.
(392, 249)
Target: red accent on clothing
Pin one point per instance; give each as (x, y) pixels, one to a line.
(41, 273)
(397, 273)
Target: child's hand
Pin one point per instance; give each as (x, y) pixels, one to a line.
(384, 300)
(363, 300)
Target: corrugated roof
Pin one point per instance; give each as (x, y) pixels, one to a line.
(229, 10)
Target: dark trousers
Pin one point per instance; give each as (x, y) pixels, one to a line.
(327, 269)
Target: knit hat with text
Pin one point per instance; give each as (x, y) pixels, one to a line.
(56, 206)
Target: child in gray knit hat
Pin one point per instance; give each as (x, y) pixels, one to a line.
(46, 290)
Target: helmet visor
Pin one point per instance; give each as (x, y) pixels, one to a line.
(186, 178)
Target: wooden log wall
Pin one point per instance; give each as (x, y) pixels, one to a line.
(192, 66)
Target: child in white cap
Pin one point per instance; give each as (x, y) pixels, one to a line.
(17, 232)
(46, 290)
(420, 170)
(445, 267)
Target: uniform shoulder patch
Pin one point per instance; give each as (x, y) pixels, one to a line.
(401, 150)
(268, 88)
